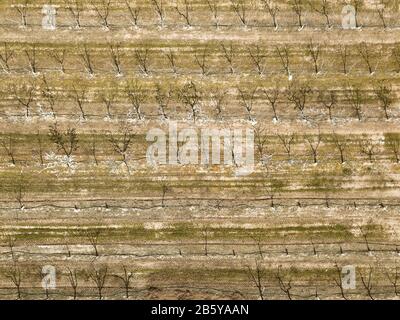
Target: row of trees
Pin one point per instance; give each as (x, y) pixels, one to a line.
(186, 11)
(67, 144)
(195, 100)
(367, 55)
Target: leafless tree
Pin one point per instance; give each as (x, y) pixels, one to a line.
(67, 141)
(380, 9)
(75, 8)
(247, 99)
(93, 237)
(24, 96)
(298, 95)
(366, 56)
(87, 60)
(344, 53)
(365, 237)
(201, 60)
(126, 278)
(367, 282)
(218, 97)
(340, 143)
(5, 58)
(257, 58)
(368, 147)
(115, 55)
(214, 9)
(163, 98)
(19, 192)
(314, 53)
(284, 57)
(228, 53)
(11, 244)
(338, 281)
(8, 146)
(190, 96)
(392, 142)
(272, 96)
(159, 9)
(108, 98)
(73, 280)
(272, 9)
(395, 53)
(102, 9)
(165, 187)
(287, 142)
(170, 54)
(285, 286)
(394, 280)
(261, 141)
(99, 275)
(142, 59)
(15, 275)
(329, 101)
(298, 8)
(314, 143)
(384, 94)
(59, 55)
(136, 96)
(134, 11)
(185, 12)
(257, 275)
(22, 9)
(356, 99)
(92, 148)
(32, 59)
(239, 7)
(357, 4)
(324, 8)
(79, 95)
(122, 143)
(40, 150)
(49, 94)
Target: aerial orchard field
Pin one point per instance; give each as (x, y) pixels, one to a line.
(87, 213)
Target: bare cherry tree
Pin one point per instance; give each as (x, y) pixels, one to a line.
(163, 99)
(5, 57)
(201, 60)
(8, 145)
(313, 51)
(298, 8)
(367, 282)
(394, 280)
(67, 141)
(380, 9)
(298, 95)
(338, 281)
(108, 98)
(344, 54)
(22, 9)
(328, 99)
(257, 276)
(49, 94)
(73, 280)
(214, 9)
(384, 94)
(87, 60)
(115, 54)
(272, 9)
(142, 59)
(15, 275)
(272, 96)
(25, 96)
(314, 143)
(136, 96)
(368, 147)
(59, 56)
(102, 9)
(93, 238)
(191, 97)
(75, 9)
(324, 8)
(134, 11)
(185, 9)
(392, 142)
(340, 143)
(159, 9)
(285, 286)
(123, 143)
(228, 53)
(171, 57)
(126, 279)
(240, 9)
(287, 141)
(247, 99)
(257, 58)
(99, 276)
(357, 4)
(367, 56)
(79, 95)
(284, 56)
(217, 98)
(355, 97)
(31, 56)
